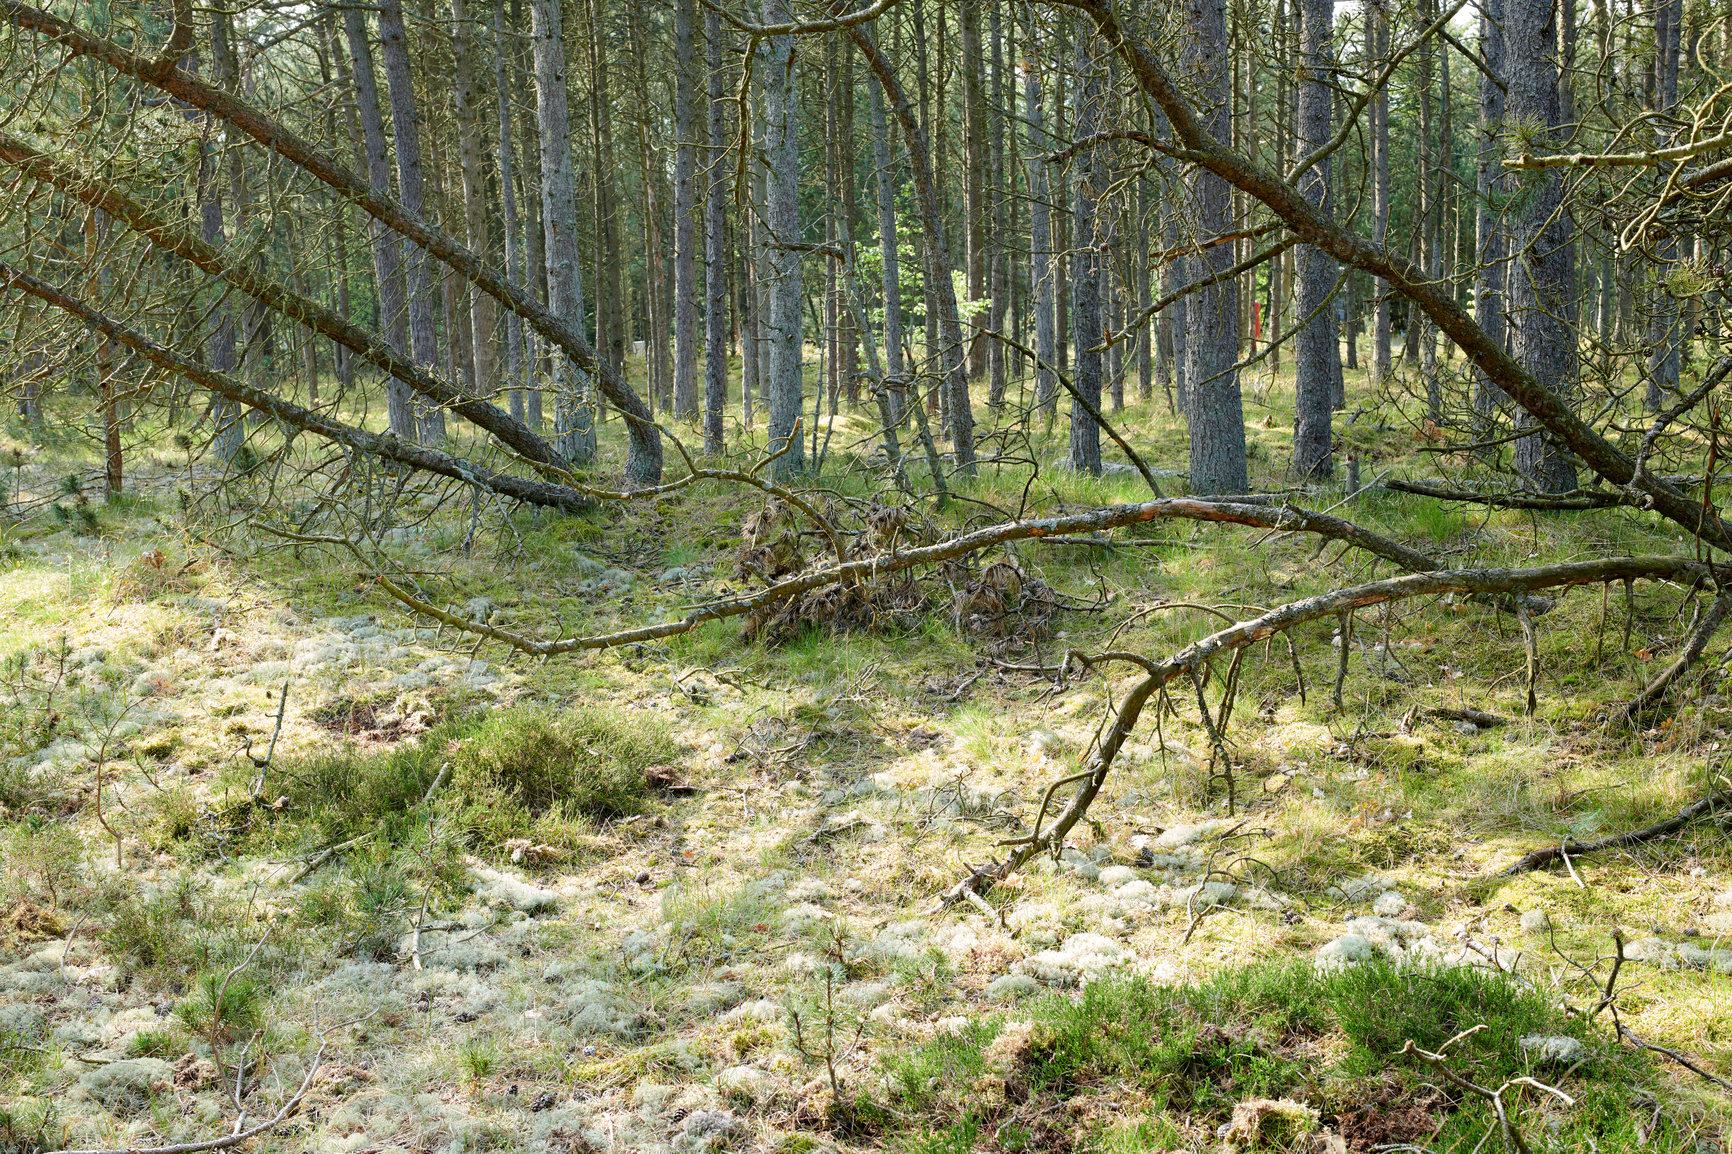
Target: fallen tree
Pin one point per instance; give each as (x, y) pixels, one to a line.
(381, 445)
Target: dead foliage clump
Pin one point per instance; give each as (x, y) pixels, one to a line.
(378, 721)
(1005, 608)
(28, 922)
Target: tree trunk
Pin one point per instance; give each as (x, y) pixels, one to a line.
(1490, 242)
(715, 250)
(1542, 298)
(1085, 270)
(974, 191)
(998, 265)
(953, 364)
(1377, 15)
(469, 101)
(685, 213)
(411, 192)
(782, 219)
(1212, 312)
(574, 410)
(516, 364)
(1664, 340)
(895, 380)
(1043, 271)
(1317, 353)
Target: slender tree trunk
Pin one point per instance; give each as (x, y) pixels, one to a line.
(954, 362)
(516, 364)
(1664, 342)
(1212, 314)
(685, 212)
(222, 351)
(1085, 270)
(574, 419)
(1144, 297)
(471, 153)
(1043, 271)
(1317, 355)
(1377, 16)
(1542, 295)
(715, 236)
(998, 266)
(974, 179)
(1490, 243)
(782, 218)
(411, 192)
(895, 379)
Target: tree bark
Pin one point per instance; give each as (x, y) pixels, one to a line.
(1043, 269)
(782, 219)
(518, 380)
(574, 408)
(471, 152)
(685, 213)
(1212, 312)
(715, 247)
(895, 380)
(1377, 18)
(1317, 352)
(1085, 263)
(411, 193)
(1490, 242)
(1542, 291)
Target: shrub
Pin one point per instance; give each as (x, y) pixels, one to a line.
(582, 762)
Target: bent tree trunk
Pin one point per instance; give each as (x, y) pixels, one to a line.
(238, 392)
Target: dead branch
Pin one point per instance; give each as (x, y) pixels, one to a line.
(1540, 858)
(368, 345)
(1691, 652)
(646, 449)
(227, 1140)
(1284, 518)
(1512, 1138)
(1576, 499)
(1191, 661)
(223, 384)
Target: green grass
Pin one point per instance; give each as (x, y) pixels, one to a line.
(1276, 1030)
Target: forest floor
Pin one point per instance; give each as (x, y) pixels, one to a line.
(684, 896)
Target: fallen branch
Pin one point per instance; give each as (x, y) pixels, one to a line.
(1194, 658)
(364, 343)
(227, 1140)
(1541, 858)
(1283, 518)
(1575, 499)
(645, 462)
(1477, 717)
(1694, 645)
(1512, 1138)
